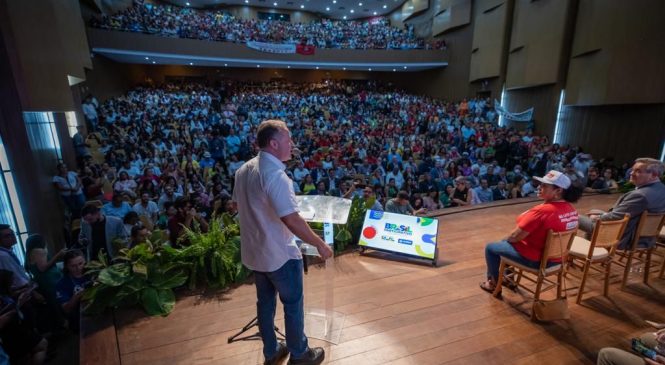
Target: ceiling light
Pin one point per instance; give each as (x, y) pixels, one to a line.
(302, 6)
(153, 62)
(405, 67)
(344, 17)
(191, 63)
(147, 58)
(394, 69)
(327, 8)
(370, 69)
(334, 1)
(288, 66)
(375, 13)
(344, 68)
(351, 11)
(360, 4)
(187, 4)
(258, 65)
(246, 1)
(226, 64)
(317, 67)
(274, 4)
(385, 6)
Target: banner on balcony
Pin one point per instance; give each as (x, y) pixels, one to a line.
(272, 47)
(525, 116)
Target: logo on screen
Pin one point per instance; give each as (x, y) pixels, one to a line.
(375, 214)
(369, 232)
(388, 238)
(402, 229)
(404, 242)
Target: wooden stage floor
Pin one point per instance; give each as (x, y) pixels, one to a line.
(400, 312)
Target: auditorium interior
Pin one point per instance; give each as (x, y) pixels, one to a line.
(132, 107)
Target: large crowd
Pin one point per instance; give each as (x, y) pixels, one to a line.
(411, 154)
(215, 25)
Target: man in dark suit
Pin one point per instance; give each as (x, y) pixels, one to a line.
(649, 195)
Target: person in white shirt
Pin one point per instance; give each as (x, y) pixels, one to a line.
(147, 208)
(266, 201)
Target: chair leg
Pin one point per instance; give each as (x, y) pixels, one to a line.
(559, 284)
(647, 266)
(606, 285)
(536, 295)
(626, 270)
(585, 272)
(499, 280)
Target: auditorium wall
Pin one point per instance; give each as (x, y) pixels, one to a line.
(251, 12)
(624, 132)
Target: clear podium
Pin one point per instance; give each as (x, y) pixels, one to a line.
(321, 321)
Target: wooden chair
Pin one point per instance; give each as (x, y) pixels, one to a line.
(649, 226)
(600, 250)
(556, 247)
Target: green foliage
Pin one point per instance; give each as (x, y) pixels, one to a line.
(147, 274)
(350, 232)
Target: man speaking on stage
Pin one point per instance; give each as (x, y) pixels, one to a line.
(268, 220)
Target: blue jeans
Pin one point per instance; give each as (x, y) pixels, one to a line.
(493, 253)
(288, 282)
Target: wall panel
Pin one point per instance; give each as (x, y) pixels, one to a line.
(450, 14)
(537, 42)
(618, 53)
(488, 49)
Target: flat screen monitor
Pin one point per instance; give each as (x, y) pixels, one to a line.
(398, 233)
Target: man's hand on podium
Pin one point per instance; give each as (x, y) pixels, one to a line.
(325, 251)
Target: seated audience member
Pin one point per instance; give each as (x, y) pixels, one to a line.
(164, 216)
(169, 195)
(529, 188)
(320, 189)
(431, 201)
(98, 232)
(125, 185)
(500, 192)
(368, 194)
(138, 235)
(526, 243)
(19, 338)
(117, 207)
(649, 195)
(401, 205)
(595, 183)
(445, 197)
(516, 191)
(483, 193)
(614, 356)
(612, 185)
(462, 195)
(130, 220)
(186, 216)
(70, 288)
(147, 208)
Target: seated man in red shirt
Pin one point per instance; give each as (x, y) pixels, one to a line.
(526, 243)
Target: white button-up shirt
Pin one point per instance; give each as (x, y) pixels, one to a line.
(264, 194)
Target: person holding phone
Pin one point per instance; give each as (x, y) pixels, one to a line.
(70, 288)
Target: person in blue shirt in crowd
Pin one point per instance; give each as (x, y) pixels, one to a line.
(70, 288)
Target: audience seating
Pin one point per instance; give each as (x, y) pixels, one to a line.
(599, 250)
(556, 246)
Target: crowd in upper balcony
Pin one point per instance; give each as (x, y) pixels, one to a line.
(217, 25)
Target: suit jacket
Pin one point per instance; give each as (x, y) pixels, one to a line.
(114, 229)
(649, 197)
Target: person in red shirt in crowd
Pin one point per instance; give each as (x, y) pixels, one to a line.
(526, 243)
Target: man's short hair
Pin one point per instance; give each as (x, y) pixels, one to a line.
(652, 165)
(181, 202)
(89, 209)
(403, 195)
(267, 131)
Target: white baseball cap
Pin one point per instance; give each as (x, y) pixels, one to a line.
(555, 178)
